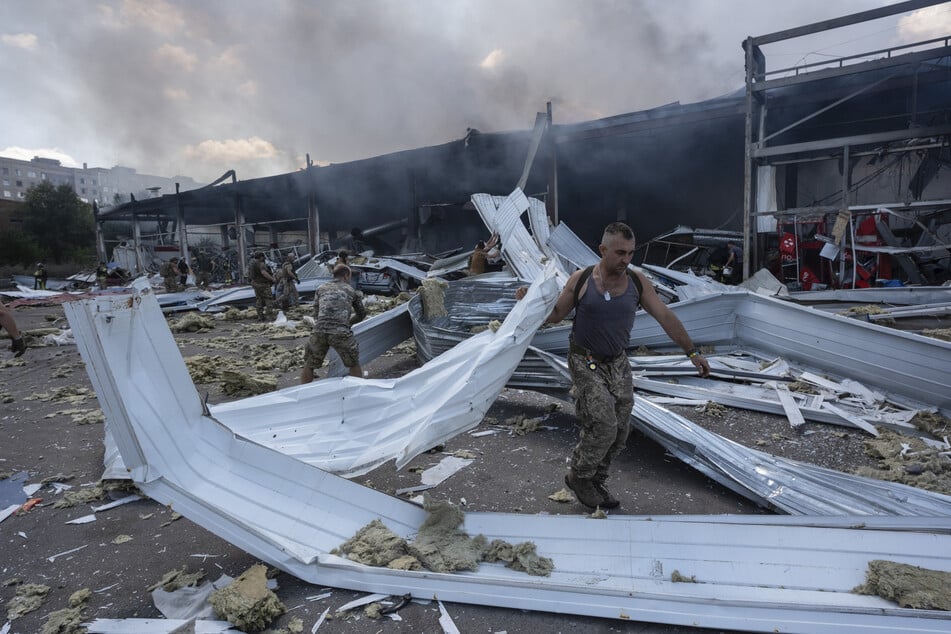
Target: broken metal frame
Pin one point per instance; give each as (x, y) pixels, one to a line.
(759, 83)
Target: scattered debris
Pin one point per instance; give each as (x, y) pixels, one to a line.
(440, 546)
(432, 292)
(932, 422)
(66, 394)
(192, 322)
(676, 577)
(175, 579)
(29, 597)
(522, 425)
(53, 558)
(235, 383)
(938, 333)
(247, 602)
(869, 309)
(121, 539)
(909, 460)
(68, 620)
(446, 468)
(81, 416)
(563, 495)
(712, 409)
(907, 585)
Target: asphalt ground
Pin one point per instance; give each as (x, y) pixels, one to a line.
(511, 473)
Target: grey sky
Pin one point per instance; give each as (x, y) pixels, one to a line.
(196, 88)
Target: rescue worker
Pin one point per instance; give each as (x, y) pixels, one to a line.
(261, 281)
(605, 298)
(169, 273)
(102, 276)
(39, 277)
(289, 279)
(337, 307)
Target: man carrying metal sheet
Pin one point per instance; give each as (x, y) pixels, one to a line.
(605, 298)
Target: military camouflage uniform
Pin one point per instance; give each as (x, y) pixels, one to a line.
(604, 401)
(202, 267)
(334, 303)
(169, 274)
(289, 295)
(263, 300)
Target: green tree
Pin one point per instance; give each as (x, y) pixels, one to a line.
(60, 223)
(18, 248)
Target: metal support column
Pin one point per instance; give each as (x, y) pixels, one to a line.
(137, 242)
(846, 201)
(748, 185)
(182, 230)
(242, 243)
(313, 226)
(551, 200)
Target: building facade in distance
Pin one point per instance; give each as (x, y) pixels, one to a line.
(100, 185)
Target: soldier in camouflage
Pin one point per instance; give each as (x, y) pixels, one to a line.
(169, 272)
(261, 281)
(338, 307)
(289, 279)
(607, 300)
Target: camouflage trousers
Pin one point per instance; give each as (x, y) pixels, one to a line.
(289, 295)
(604, 399)
(315, 350)
(171, 283)
(263, 300)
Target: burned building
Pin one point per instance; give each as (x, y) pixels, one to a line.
(772, 161)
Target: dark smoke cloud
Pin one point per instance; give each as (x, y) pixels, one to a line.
(200, 87)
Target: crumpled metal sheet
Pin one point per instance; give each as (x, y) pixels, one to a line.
(291, 514)
(788, 486)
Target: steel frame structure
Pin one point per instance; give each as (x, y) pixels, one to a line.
(760, 83)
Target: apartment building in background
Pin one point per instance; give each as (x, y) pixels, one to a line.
(102, 185)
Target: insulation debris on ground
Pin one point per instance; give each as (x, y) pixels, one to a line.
(175, 579)
(192, 322)
(909, 460)
(235, 383)
(247, 602)
(909, 586)
(68, 620)
(29, 597)
(440, 546)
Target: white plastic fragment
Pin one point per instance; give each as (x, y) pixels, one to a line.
(448, 625)
(367, 600)
(53, 558)
(444, 470)
(157, 626)
(119, 502)
(30, 489)
(786, 399)
(319, 621)
(7, 512)
(85, 519)
(855, 420)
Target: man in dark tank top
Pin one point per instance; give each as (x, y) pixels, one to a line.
(607, 299)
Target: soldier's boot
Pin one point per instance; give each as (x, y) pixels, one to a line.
(260, 312)
(583, 489)
(608, 501)
(18, 347)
